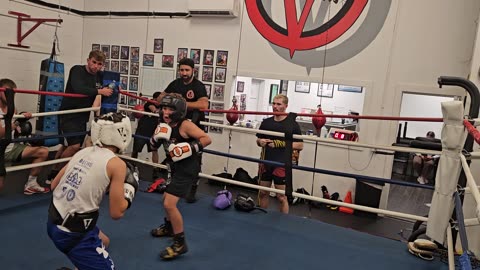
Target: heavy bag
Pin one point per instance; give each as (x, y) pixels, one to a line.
(223, 200)
(245, 203)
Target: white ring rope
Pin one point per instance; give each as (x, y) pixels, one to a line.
(136, 111)
(55, 112)
(33, 165)
(328, 141)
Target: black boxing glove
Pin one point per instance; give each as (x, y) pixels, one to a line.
(130, 185)
(23, 127)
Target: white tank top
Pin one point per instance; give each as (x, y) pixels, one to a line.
(84, 182)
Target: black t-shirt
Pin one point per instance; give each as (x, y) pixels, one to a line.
(278, 154)
(191, 92)
(80, 81)
(147, 124)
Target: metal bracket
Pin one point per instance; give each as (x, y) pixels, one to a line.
(21, 17)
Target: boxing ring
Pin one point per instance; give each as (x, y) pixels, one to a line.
(228, 238)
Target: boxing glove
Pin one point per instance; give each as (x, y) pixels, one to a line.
(130, 185)
(184, 150)
(162, 133)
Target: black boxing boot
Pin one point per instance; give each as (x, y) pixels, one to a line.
(178, 247)
(190, 198)
(163, 230)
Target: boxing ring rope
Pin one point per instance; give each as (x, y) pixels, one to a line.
(56, 112)
(328, 141)
(300, 195)
(33, 165)
(121, 108)
(44, 93)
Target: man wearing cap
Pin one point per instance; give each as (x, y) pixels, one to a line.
(196, 96)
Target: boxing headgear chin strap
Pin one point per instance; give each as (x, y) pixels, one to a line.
(177, 103)
(112, 129)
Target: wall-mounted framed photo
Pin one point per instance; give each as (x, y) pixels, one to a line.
(240, 86)
(124, 52)
(222, 58)
(325, 90)
(207, 74)
(167, 61)
(195, 55)
(208, 57)
(208, 87)
(349, 88)
(115, 52)
(302, 87)
(220, 74)
(135, 54)
(124, 82)
(148, 60)
(283, 87)
(115, 66)
(216, 106)
(95, 47)
(158, 45)
(133, 84)
(106, 50)
(273, 92)
(181, 53)
(218, 130)
(218, 92)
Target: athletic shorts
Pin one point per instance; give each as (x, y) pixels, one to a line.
(72, 125)
(15, 155)
(270, 173)
(184, 174)
(85, 250)
(139, 143)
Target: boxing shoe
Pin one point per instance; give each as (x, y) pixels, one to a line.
(190, 198)
(34, 188)
(178, 248)
(163, 230)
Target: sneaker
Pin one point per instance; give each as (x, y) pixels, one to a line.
(51, 176)
(175, 250)
(163, 230)
(35, 188)
(421, 180)
(190, 198)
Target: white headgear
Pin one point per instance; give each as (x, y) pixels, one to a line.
(112, 129)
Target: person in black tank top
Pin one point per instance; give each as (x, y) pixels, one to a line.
(182, 141)
(194, 92)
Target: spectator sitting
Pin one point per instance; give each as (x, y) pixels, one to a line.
(423, 164)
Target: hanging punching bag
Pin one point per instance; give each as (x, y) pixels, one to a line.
(232, 118)
(51, 80)
(319, 122)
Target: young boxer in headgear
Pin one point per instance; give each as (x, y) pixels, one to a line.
(79, 188)
(182, 141)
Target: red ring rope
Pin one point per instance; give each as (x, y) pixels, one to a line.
(472, 130)
(36, 92)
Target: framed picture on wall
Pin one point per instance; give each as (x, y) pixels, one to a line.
(220, 74)
(207, 74)
(349, 88)
(182, 53)
(325, 90)
(123, 67)
(240, 86)
(273, 92)
(216, 106)
(167, 61)
(158, 45)
(218, 130)
(135, 54)
(218, 92)
(115, 52)
(106, 65)
(133, 84)
(222, 58)
(134, 68)
(195, 55)
(283, 87)
(208, 87)
(95, 47)
(208, 57)
(115, 66)
(106, 50)
(124, 52)
(124, 82)
(148, 60)
(302, 87)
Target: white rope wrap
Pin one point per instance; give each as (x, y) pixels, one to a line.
(106, 132)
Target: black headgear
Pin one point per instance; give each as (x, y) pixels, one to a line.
(177, 103)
